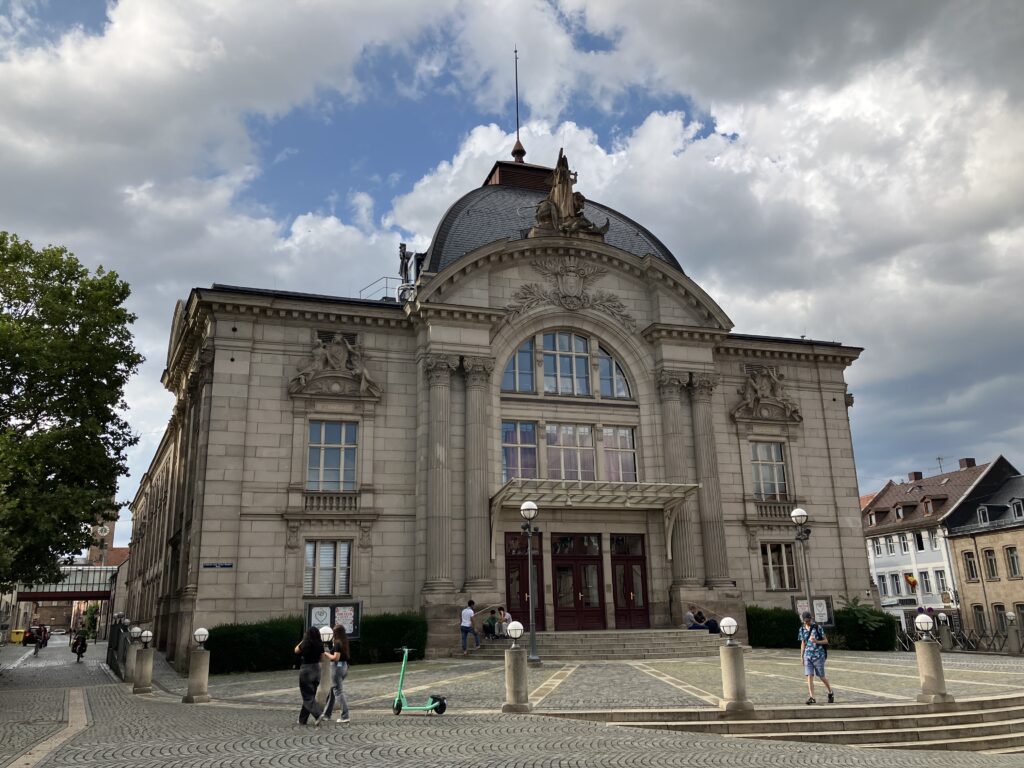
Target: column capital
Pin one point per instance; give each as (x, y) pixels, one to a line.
(671, 382)
(702, 384)
(439, 368)
(478, 370)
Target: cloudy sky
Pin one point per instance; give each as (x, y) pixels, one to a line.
(848, 171)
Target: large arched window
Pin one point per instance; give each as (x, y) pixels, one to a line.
(565, 368)
(518, 375)
(566, 364)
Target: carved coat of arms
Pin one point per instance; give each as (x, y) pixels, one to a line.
(570, 286)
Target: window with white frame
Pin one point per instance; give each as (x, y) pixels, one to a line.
(940, 580)
(876, 544)
(871, 518)
(518, 449)
(919, 540)
(991, 564)
(970, 566)
(769, 467)
(1012, 563)
(982, 515)
(566, 363)
(1018, 510)
(519, 373)
(612, 377)
(894, 580)
(331, 464)
(933, 537)
(890, 545)
(904, 544)
(899, 513)
(779, 565)
(619, 454)
(924, 580)
(570, 451)
(883, 586)
(327, 568)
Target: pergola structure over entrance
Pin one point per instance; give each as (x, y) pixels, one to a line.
(592, 494)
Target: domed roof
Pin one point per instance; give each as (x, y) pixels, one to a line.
(499, 211)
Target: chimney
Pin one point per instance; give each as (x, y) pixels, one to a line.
(912, 476)
(967, 463)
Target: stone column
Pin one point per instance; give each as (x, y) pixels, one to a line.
(439, 513)
(143, 677)
(478, 561)
(709, 497)
(929, 669)
(734, 680)
(517, 694)
(198, 691)
(670, 386)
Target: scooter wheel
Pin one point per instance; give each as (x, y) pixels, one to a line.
(442, 705)
(397, 708)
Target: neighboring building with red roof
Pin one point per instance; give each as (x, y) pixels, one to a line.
(908, 552)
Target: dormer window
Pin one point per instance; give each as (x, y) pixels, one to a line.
(982, 515)
(899, 513)
(871, 518)
(928, 507)
(1018, 510)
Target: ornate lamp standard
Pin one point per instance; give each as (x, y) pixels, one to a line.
(528, 510)
(803, 533)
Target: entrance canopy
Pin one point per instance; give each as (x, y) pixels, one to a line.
(592, 494)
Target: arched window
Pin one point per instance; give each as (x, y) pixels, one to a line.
(518, 375)
(613, 379)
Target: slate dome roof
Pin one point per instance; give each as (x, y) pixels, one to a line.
(499, 211)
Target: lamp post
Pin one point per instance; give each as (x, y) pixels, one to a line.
(528, 510)
(323, 691)
(734, 676)
(143, 680)
(803, 533)
(945, 633)
(929, 664)
(198, 691)
(517, 696)
(1013, 633)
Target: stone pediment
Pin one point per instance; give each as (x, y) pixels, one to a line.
(763, 398)
(336, 368)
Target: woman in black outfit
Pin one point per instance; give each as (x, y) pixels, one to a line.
(310, 649)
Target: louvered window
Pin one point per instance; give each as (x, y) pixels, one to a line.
(328, 567)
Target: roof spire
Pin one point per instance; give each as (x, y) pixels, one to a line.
(518, 151)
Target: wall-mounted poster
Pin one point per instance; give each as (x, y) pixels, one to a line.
(347, 613)
(822, 609)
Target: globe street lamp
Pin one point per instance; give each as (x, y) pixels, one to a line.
(515, 631)
(528, 510)
(924, 623)
(728, 628)
(146, 637)
(201, 635)
(803, 533)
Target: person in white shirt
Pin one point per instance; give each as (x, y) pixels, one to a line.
(467, 628)
(504, 619)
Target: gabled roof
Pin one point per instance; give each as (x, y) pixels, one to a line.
(945, 490)
(996, 489)
(866, 499)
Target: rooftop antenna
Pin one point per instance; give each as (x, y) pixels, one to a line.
(939, 459)
(518, 151)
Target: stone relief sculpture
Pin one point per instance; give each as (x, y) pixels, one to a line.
(336, 368)
(763, 397)
(561, 212)
(569, 281)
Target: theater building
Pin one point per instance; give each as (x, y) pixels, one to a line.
(544, 348)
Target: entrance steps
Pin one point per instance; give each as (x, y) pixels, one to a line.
(611, 644)
(993, 725)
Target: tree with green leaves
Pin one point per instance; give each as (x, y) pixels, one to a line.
(66, 354)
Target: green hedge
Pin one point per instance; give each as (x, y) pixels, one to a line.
(254, 647)
(772, 627)
(270, 644)
(852, 633)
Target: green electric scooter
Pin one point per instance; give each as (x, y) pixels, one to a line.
(436, 704)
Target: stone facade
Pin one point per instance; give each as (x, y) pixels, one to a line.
(273, 387)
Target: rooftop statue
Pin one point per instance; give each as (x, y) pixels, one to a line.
(561, 212)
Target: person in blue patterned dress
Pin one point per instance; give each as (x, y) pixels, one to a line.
(813, 650)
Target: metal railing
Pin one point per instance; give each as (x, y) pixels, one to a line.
(117, 648)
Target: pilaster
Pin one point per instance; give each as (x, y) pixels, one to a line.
(478, 372)
(439, 539)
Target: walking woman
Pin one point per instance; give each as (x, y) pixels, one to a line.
(338, 654)
(310, 649)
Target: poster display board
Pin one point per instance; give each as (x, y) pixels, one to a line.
(822, 610)
(331, 613)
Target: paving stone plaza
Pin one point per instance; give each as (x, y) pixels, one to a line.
(54, 712)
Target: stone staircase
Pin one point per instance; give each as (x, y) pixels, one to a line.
(992, 725)
(611, 644)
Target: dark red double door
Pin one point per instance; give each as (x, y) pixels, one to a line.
(517, 579)
(578, 581)
(629, 581)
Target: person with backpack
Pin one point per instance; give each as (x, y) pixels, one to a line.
(79, 645)
(813, 652)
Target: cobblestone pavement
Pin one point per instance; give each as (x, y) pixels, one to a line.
(251, 723)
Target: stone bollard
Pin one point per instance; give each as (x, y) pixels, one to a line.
(517, 697)
(198, 677)
(734, 680)
(129, 663)
(945, 637)
(143, 680)
(929, 668)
